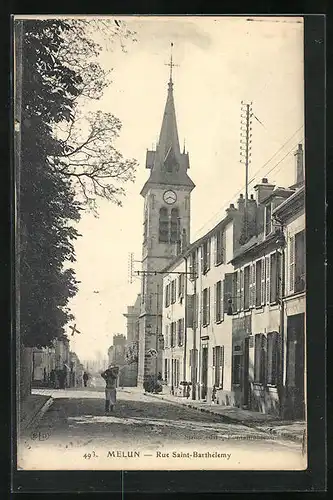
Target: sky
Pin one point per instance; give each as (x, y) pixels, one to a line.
(221, 61)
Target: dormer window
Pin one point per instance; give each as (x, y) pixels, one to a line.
(268, 219)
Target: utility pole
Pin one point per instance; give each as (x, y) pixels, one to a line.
(245, 149)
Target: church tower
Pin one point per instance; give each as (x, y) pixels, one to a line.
(166, 230)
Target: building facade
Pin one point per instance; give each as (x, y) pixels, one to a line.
(167, 200)
(197, 329)
(132, 344)
(291, 215)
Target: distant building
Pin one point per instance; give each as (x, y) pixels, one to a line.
(132, 343)
(47, 362)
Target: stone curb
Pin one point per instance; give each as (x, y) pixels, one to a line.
(37, 416)
(284, 435)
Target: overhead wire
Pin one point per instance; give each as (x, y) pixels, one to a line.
(253, 178)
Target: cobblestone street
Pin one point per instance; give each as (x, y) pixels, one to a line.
(76, 423)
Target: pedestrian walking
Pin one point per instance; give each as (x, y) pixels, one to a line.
(85, 379)
(110, 376)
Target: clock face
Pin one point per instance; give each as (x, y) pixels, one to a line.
(170, 197)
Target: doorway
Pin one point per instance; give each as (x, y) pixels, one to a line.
(295, 366)
(246, 391)
(204, 367)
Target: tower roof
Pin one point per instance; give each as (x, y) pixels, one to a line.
(167, 164)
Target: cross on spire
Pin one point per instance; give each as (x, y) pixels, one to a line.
(171, 64)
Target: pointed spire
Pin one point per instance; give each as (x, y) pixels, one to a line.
(168, 142)
(167, 164)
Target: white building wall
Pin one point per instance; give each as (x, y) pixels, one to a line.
(173, 313)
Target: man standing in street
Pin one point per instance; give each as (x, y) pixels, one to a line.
(85, 379)
(110, 376)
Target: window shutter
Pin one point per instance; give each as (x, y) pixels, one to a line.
(238, 291)
(278, 277)
(216, 303)
(221, 299)
(202, 259)
(214, 356)
(228, 283)
(292, 264)
(208, 253)
(224, 246)
(208, 306)
(268, 272)
(201, 308)
(241, 290)
(263, 289)
(254, 288)
(251, 286)
(166, 335)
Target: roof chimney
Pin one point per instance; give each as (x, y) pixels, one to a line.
(241, 202)
(231, 208)
(263, 190)
(299, 164)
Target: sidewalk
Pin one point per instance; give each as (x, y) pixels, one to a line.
(290, 430)
(32, 408)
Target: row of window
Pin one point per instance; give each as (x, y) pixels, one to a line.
(266, 361)
(173, 289)
(219, 255)
(174, 333)
(247, 288)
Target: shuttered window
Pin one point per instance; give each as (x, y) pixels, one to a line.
(218, 302)
(220, 241)
(238, 291)
(167, 295)
(206, 256)
(166, 337)
(218, 365)
(205, 306)
(268, 279)
(291, 263)
(273, 278)
(247, 287)
(300, 278)
(172, 335)
(181, 285)
(227, 290)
